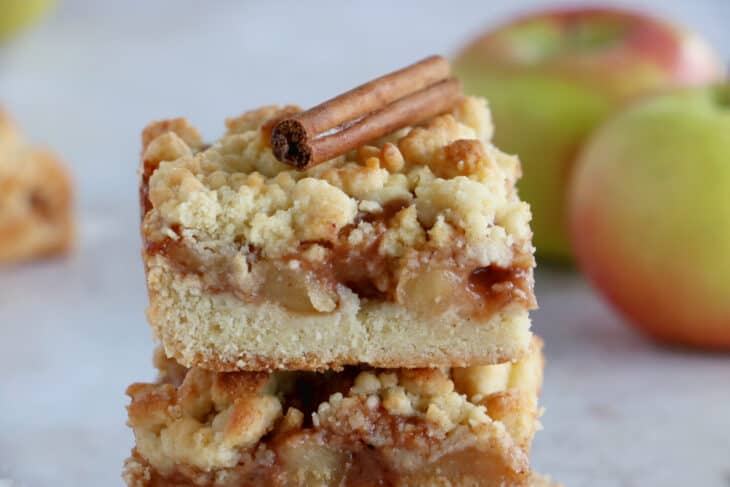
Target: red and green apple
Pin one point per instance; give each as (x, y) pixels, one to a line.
(649, 211)
(552, 77)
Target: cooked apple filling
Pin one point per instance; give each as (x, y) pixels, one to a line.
(425, 280)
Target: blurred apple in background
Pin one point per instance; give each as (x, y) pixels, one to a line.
(18, 14)
(650, 215)
(552, 77)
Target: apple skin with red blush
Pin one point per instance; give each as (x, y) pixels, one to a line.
(649, 213)
(552, 77)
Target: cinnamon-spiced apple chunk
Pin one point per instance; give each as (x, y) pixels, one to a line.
(358, 427)
(411, 250)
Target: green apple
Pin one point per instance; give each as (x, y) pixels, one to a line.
(551, 78)
(18, 14)
(649, 211)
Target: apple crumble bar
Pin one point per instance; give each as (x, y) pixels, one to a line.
(361, 426)
(35, 199)
(412, 251)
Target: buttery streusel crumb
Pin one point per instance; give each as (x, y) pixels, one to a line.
(35, 199)
(360, 426)
(411, 251)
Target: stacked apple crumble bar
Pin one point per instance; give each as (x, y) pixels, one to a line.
(341, 296)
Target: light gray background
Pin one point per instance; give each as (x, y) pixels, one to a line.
(620, 411)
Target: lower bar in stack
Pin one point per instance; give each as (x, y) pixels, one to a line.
(360, 426)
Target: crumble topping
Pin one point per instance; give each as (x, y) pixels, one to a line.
(236, 187)
(213, 420)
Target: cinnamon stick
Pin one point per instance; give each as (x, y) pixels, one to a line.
(409, 110)
(370, 111)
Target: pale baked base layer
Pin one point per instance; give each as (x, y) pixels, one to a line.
(359, 427)
(218, 331)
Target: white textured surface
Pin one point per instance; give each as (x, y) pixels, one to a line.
(620, 411)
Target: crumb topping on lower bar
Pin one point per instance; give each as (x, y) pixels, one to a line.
(379, 423)
(428, 214)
